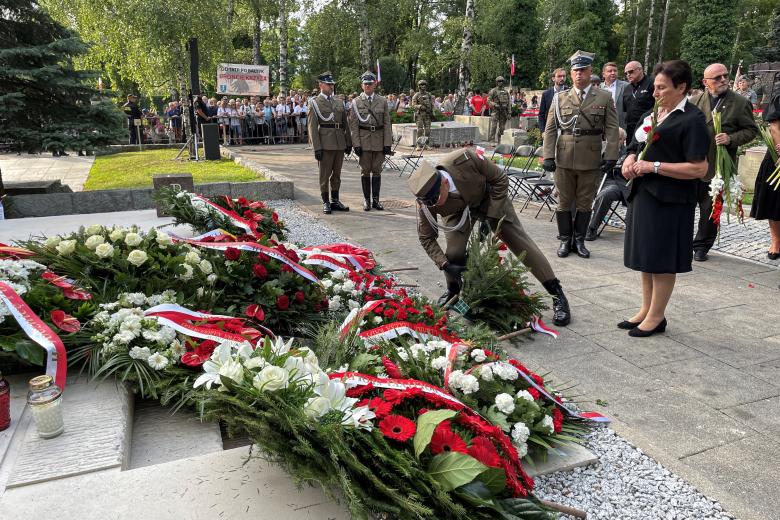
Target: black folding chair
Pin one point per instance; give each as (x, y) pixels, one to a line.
(389, 163)
(412, 160)
(518, 177)
(542, 190)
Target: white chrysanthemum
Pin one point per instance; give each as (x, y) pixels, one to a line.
(104, 250)
(486, 373)
(94, 229)
(141, 353)
(133, 239)
(547, 422)
(469, 384)
(520, 433)
(188, 272)
(66, 247)
(205, 267)
(456, 379)
(348, 285)
(505, 371)
(157, 361)
(137, 257)
(192, 258)
(93, 241)
(505, 403)
(439, 363)
(478, 355)
(525, 394)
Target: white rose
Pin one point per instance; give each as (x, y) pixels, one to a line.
(137, 257)
(104, 250)
(505, 403)
(163, 239)
(133, 239)
(192, 258)
(327, 283)
(66, 247)
(187, 274)
(316, 407)
(271, 378)
(231, 369)
(478, 355)
(53, 241)
(255, 362)
(116, 234)
(334, 304)
(94, 229)
(205, 267)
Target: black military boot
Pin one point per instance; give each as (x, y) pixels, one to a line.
(564, 232)
(561, 312)
(580, 230)
(325, 203)
(454, 284)
(376, 184)
(366, 183)
(335, 203)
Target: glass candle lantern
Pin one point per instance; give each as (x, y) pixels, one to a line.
(45, 400)
(5, 403)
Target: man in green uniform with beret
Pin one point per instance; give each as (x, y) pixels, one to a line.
(330, 139)
(463, 188)
(580, 120)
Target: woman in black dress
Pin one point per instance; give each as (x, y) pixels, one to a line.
(766, 200)
(659, 224)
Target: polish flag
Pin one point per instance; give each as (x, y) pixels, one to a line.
(512, 70)
(378, 72)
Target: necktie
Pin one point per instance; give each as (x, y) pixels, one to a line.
(580, 94)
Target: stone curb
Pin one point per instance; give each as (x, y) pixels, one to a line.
(104, 201)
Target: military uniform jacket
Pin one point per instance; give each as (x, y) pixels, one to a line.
(480, 185)
(498, 99)
(370, 123)
(335, 135)
(736, 121)
(595, 116)
(422, 103)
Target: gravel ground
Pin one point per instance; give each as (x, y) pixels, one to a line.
(626, 484)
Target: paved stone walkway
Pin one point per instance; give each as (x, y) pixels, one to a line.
(72, 170)
(703, 399)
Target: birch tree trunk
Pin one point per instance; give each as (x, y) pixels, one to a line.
(464, 72)
(649, 35)
(636, 29)
(256, 36)
(663, 32)
(365, 36)
(283, 35)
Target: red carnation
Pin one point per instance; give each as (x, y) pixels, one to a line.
(65, 322)
(445, 440)
(557, 416)
(484, 451)
(391, 368)
(231, 253)
(259, 271)
(379, 310)
(389, 313)
(283, 302)
(534, 393)
(402, 315)
(300, 297)
(398, 428)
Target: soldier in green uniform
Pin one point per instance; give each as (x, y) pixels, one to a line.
(372, 132)
(464, 188)
(499, 103)
(422, 104)
(330, 139)
(580, 120)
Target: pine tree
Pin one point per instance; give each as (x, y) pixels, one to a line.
(708, 34)
(44, 102)
(771, 51)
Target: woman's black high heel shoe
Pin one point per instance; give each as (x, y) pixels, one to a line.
(636, 332)
(628, 325)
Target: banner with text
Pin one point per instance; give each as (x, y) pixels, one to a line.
(243, 80)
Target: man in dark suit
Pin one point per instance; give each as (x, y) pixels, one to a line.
(737, 128)
(617, 88)
(637, 96)
(559, 85)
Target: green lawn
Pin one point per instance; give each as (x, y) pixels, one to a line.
(135, 170)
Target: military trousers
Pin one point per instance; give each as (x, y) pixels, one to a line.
(423, 127)
(330, 170)
(511, 233)
(371, 163)
(576, 187)
(497, 124)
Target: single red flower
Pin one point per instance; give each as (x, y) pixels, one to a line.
(502, 247)
(263, 258)
(391, 368)
(274, 217)
(292, 255)
(398, 428)
(231, 253)
(537, 379)
(389, 313)
(402, 315)
(378, 310)
(380, 407)
(534, 393)
(484, 451)
(286, 268)
(255, 311)
(300, 297)
(65, 322)
(260, 271)
(200, 355)
(445, 440)
(283, 302)
(394, 396)
(557, 416)
(243, 201)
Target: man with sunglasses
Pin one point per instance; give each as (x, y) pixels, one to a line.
(637, 96)
(464, 188)
(737, 128)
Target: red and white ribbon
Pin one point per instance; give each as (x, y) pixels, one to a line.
(234, 217)
(328, 261)
(180, 319)
(355, 315)
(353, 379)
(419, 331)
(39, 332)
(220, 235)
(538, 325)
(16, 252)
(360, 258)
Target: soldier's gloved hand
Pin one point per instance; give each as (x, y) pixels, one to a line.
(453, 269)
(358, 151)
(386, 150)
(549, 165)
(347, 150)
(606, 166)
(318, 154)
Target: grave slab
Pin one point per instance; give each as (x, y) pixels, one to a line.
(563, 458)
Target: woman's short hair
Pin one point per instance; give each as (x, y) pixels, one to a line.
(678, 71)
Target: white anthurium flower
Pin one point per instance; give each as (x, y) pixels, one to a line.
(316, 407)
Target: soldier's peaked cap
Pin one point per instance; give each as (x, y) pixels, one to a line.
(368, 77)
(581, 60)
(326, 77)
(425, 182)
